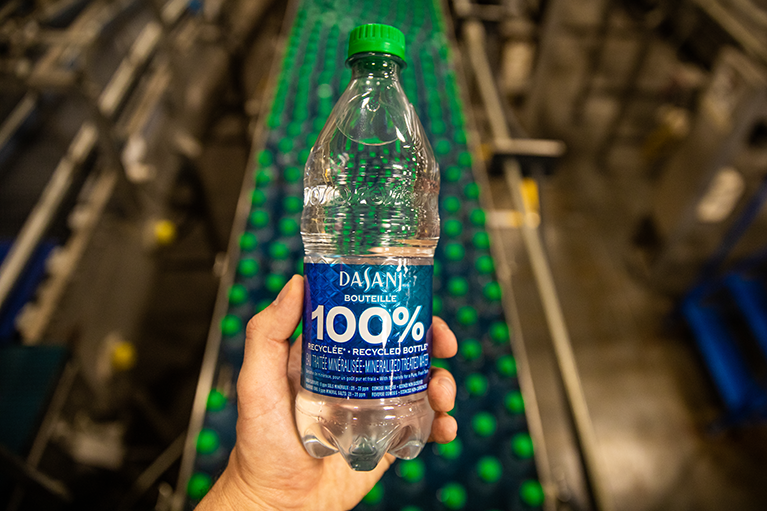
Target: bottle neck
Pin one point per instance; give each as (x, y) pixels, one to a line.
(375, 65)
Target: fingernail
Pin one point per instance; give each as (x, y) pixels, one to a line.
(285, 291)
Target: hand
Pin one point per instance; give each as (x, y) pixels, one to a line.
(269, 468)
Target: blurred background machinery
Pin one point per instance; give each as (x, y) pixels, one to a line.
(604, 173)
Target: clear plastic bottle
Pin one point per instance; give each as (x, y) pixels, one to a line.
(370, 226)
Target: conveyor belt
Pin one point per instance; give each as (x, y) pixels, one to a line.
(490, 465)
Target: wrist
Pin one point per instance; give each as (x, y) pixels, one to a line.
(231, 492)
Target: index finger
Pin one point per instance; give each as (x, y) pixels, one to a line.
(445, 344)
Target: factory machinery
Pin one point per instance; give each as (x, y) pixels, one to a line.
(109, 103)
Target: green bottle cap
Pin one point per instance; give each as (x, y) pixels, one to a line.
(300, 266)
(477, 217)
(230, 324)
(285, 145)
(279, 251)
(265, 158)
(375, 495)
(513, 402)
(467, 315)
(492, 291)
(375, 37)
(454, 251)
(293, 204)
(507, 366)
(437, 267)
(247, 267)
(443, 147)
(259, 218)
(489, 469)
(411, 471)
(216, 401)
(452, 174)
(293, 129)
(198, 486)
(484, 424)
(460, 137)
(451, 450)
(531, 493)
(436, 305)
(458, 286)
(207, 441)
(303, 154)
(264, 177)
(258, 197)
(471, 349)
(476, 384)
(465, 159)
(288, 227)
(452, 204)
(481, 240)
(238, 294)
(499, 332)
(293, 174)
(485, 264)
(248, 241)
(441, 363)
(471, 191)
(522, 446)
(275, 282)
(453, 228)
(452, 495)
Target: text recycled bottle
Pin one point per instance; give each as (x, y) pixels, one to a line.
(370, 225)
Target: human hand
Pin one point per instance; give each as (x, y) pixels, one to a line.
(269, 467)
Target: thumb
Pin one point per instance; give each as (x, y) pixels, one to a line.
(263, 378)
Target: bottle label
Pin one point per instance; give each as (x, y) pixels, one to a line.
(367, 330)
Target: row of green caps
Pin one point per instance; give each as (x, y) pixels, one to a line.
(453, 495)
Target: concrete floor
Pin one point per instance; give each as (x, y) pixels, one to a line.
(650, 399)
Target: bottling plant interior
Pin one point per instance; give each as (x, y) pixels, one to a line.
(602, 254)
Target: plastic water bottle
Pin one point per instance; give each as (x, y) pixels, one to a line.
(370, 226)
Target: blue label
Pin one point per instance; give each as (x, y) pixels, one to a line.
(367, 330)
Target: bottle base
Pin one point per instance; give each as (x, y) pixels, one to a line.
(363, 430)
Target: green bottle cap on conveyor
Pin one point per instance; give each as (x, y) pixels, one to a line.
(453, 228)
(452, 204)
(259, 218)
(457, 286)
(265, 158)
(412, 471)
(207, 441)
(507, 366)
(288, 227)
(454, 251)
(441, 363)
(531, 493)
(467, 315)
(452, 495)
(248, 241)
(198, 486)
(230, 324)
(513, 402)
(247, 267)
(522, 446)
(451, 450)
(499, 332)
(492, 291)
(436, 305)
(293, 204)
(477, 217)
(460, 137)
(484, 424)
(278, 250)
(452, 174)
(481, 240)
(238, 294)
(375, 37)
(411, 508)
(216, 401)
(293, 174)
(437, 267)
(264, 177)
(470, 349)
(257, 198)
(300, 266)
(485, 264)
(476, 384)
(443, 147)
(465, 159)
(471, 191)
(275, 282)
(489, 469)
(285, 145)
(375, 495)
